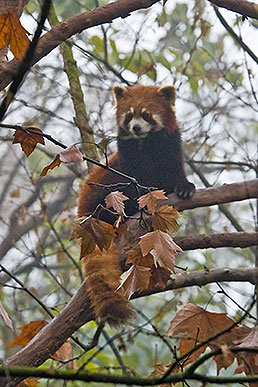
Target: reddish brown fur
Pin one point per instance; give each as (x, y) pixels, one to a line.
(155, 160)
(140, 97)
(89, 195)
(103, 277)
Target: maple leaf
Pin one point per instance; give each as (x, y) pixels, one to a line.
(161, 246)
(71, 155)
(136, 279)
(101, 232)
(86, 240)
(55, 163)
(28, 331)
(28, 140)
(197, 326)
(164, 219)
(248, 362)
(150, 200)
(225, 359)
(116, 201)
(64, 353)
(135, 257)
(5, 33)
(13, 33)
(159, 277)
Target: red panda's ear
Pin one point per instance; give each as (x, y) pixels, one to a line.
(169, 93)
(119, 92)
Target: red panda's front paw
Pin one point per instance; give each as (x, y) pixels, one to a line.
(184, 190)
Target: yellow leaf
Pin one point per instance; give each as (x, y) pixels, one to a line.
(13, 33)
(19, 40)
(5, 33)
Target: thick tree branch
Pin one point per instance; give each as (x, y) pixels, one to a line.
(74, 25)
(226, 193)
(78, 312)
(204, 241)
(245, 8)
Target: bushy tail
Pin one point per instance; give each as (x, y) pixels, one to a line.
(102, 273)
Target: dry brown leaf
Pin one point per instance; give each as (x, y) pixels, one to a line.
(116, 201)
(28, 331)
(71, 155)
(159, 277)
(197, 326)
(136, 279)
(86, 240)
(225, 359)
(55, 163)
(28, 140)
(150, 200)
(135, 257)
(101, 232)
(15, 193)
(160, 370)
(29, 382)
(5, 32)
(164, 219)
(6, 318)
(13, 33)
(64, 353)
(161, 246)
(248, 362)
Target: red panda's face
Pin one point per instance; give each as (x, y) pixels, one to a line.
(144, 109)
(139, 122)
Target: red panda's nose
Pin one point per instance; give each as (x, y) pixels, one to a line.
(136, 129)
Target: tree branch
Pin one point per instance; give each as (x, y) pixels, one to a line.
(78, 312)
(226, 193)
(245, 8)
(204, 241)
(74, 25)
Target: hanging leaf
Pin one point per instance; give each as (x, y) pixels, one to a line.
(116, 200)
(55, 163)
(71, 155)
(150, 200)
(28, 140)
(13, 33)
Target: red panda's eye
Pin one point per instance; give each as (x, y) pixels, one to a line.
(146, 116)
(128, 117)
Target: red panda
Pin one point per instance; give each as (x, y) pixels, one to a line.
(149, 150)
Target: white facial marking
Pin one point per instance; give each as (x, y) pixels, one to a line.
(145, 127)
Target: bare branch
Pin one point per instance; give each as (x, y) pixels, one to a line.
(245, 8)
(224, 194)
(72, 26)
